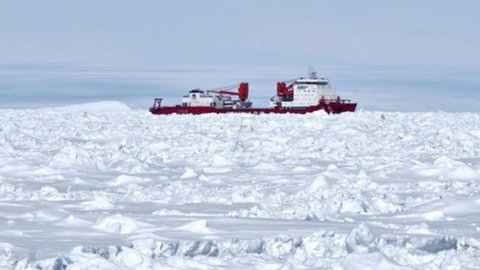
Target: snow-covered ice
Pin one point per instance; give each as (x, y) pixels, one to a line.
(102, 186)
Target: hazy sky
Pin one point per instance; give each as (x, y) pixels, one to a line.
(221, 32)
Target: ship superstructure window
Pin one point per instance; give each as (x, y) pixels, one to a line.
(196, 91)
(313, 83)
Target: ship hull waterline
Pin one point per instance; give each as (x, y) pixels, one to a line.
(334, 108)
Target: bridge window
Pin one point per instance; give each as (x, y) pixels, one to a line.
(314, 83)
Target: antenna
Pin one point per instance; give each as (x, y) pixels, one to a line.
(311, 72)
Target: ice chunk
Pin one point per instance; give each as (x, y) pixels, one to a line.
(73, 221)
(123, 180)
(49, 215)
(189, 173)
(197, 226)
(422, 228)
(119, 224)
(434, 215)
(134, 259)
(319, 183)
(360, 240)
(98, 203)
(168, 212)
(464, 172)
(371, 261)
(96, 106)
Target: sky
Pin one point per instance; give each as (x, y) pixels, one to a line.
(219, 32)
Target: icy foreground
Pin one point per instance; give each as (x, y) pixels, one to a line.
(121, 189)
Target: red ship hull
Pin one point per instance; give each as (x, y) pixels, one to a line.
(329, 108)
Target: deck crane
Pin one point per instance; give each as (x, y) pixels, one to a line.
(226, 91)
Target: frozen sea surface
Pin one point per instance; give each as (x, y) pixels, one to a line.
(116, 188)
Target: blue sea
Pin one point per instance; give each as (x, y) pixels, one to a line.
(455, 89)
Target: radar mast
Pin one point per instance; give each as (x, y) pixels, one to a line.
(311, 72)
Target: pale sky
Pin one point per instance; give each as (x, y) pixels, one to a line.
(154, 32)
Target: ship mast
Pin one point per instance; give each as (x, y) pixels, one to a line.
(311, 72)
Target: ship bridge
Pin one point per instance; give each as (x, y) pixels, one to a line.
(304, 92)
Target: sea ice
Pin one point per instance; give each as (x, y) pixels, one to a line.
(108, 187)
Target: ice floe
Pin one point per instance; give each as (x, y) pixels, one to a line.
(109, 187)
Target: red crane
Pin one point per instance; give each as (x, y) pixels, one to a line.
(242, 91)
(283, 90)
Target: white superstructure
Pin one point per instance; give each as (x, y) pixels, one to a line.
(213, 98)
(304, 92)
(198, 98)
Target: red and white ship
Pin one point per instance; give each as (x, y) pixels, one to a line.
(302, 95)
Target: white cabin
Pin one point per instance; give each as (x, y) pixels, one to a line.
(307, 92)
(198, 98)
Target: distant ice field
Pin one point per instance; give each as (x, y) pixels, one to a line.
(452, 89)
(103, 186)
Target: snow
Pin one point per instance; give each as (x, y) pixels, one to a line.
(95, 106)
(198, 227)
(119, 224)
(103, 186)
